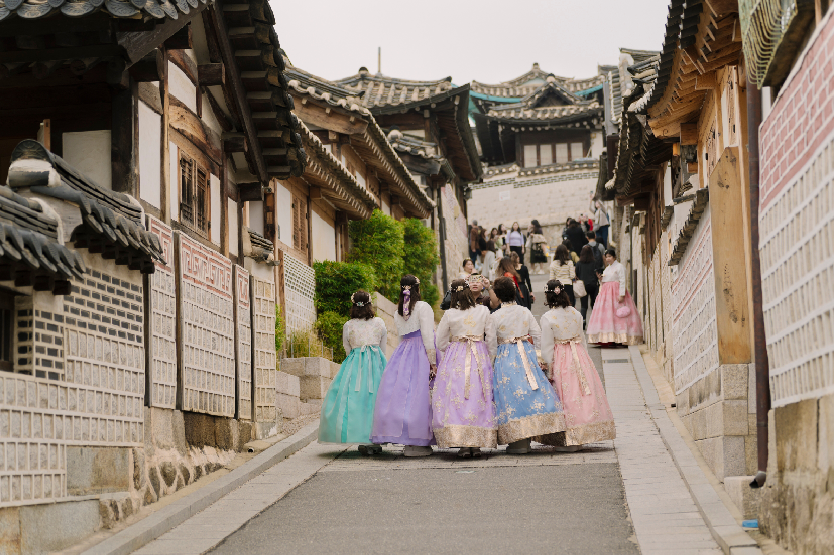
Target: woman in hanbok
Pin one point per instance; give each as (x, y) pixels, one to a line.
(347, 412)
(588, 417)
(526, 404)
(614, 318)
(463, 411)
(403, 405)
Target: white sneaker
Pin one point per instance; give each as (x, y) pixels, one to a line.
(417, 450)
(567, 448)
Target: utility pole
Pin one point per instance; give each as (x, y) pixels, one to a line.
(379, 60)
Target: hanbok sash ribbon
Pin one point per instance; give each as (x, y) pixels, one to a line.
(583, 380)
(519, 341)
(467, 367)
(370, 362)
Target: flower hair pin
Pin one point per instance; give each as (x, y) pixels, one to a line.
(459, 288)
(359, 303)
(406, 288)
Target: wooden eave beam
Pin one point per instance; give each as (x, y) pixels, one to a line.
(238, 91)
(138, 43)
(332, 118)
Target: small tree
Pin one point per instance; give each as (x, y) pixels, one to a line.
(378, 242)
(329, 325)
(420, 257)
(337, 281)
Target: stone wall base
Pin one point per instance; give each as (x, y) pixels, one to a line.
(797, 506)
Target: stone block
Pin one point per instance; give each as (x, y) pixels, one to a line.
(314, 387)
(92, 470)
(735, 418)
(199, 429)
(724, 455)
(53, 527)
(744, 497)
(796, 430)
(289, 405)
(317, 366)
(293, 366)
(734, 378)
(309, 408)
(751, 454)
(334, 369)
(165, 429)
(751, 388)
(699, 424)
(10, 531)
(826, 435)
(287, 384)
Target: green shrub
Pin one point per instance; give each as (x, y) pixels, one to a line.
(337, 281)
(420, 257)
(307, 343)
(329, 326)
(378, 242)
(280, 329)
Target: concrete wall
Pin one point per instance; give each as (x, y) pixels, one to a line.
(385, 309)
(796, 219)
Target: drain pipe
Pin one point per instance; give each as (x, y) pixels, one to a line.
(754, 119)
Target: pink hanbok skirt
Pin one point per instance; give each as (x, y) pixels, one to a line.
(588, 417)
(606, 326)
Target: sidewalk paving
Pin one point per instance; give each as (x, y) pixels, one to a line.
(673, 507)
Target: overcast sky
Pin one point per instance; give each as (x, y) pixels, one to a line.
(485, 40)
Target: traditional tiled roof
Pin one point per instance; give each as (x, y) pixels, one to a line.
(258, 247)
(381, 90)
(110, 221)
(159, 9)
(532, 80)
(696, 211)
(620, 81)
(413, 145)
(373, 143)
(29, 238)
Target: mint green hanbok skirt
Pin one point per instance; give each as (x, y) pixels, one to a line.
(347, 412)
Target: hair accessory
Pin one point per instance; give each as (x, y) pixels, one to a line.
(406, 288)
(357, 303)
(406, 301)
(417, 280)
(459, 288)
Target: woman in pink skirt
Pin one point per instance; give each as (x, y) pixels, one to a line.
(588, 417)
(614, 318)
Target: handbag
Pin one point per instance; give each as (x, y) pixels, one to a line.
(447, 300)
(579, 288)
(623, 310)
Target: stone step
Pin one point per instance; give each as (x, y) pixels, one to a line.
(310, 408)
(289, 405)
(314, 387)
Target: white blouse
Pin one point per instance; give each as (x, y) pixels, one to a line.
(559, 324)
(421, 318)
(359, 332)
(615, 272)
(512, 320)
(473, 321)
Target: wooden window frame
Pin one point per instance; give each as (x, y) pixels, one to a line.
(7, 331)
(299, 223)
(552, 145)
(195, 195)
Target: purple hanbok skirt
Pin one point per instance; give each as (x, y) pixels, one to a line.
(402, 413)
(461, 419)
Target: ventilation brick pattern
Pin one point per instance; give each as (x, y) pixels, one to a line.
(163, 322)
(207, 336)
(299, 292)
(263, 348)
(243, 343)
(695, 329)
(797, 256)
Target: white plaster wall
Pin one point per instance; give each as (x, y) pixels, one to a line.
(150, 139)
(216, 223)
(233, 227)
(181, 87)
(256, 216)
(173, 181)
(385, 208)
(596, 144)
(324, 239)
(283, 213)
(89, 153)
(208, 117)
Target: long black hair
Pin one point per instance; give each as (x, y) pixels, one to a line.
(555, 294)
(413, 285)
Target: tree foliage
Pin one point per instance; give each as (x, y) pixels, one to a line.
(378, 242)
(329, 326)
(420, 257)
(337, 281)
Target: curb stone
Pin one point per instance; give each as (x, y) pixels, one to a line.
(722, 525)
(145, 531)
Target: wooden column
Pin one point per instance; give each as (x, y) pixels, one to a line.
(731, 310)
(122, 129)
(166, 180)
(309, 227)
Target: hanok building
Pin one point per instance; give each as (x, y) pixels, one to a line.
(138, 286)
(427, 123)
(352, 169)
(540, 137)
(681, 184)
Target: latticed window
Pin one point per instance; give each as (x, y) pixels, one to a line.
(194, 196)
(299, 223)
